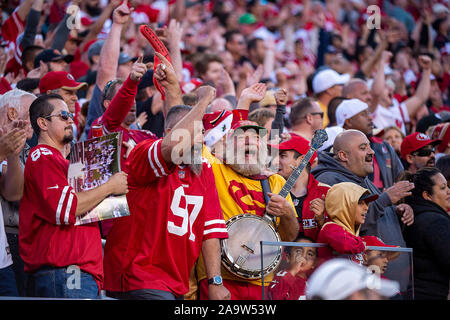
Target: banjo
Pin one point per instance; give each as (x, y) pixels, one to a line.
(241, 253)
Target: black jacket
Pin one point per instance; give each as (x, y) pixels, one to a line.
(429, 236)
(330, 171)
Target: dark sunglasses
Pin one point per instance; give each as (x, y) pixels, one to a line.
(423, 152)
(317, 113)
(63, 114)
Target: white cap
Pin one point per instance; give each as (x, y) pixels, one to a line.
(347, 109)
(328, 78)
(337, 279)
(332, 133)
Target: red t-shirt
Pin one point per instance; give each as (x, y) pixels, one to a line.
(172, 212)
(48, 236)
(285, 286)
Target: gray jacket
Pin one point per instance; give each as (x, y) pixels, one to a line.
(330, 171)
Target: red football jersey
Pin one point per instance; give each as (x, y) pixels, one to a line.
(172, 212)
(285, 286)
(48, 236)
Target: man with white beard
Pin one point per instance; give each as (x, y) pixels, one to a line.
(238, 178)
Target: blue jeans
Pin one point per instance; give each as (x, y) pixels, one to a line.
(8, 282)
(69, 282)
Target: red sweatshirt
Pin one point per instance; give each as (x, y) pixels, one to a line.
(111, 121)
(341, 243)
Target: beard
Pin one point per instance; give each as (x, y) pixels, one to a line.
(196, 164)
(68, 138)
(250, 168)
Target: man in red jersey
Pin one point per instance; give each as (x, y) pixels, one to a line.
(64, 260)
(174, 206)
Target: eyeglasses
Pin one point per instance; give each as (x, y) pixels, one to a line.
(317, 113)
(423, 152)
(63, 114)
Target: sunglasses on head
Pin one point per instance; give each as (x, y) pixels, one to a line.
(63, 114)
(423, 152)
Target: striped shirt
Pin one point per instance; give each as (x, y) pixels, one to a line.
(48, 236)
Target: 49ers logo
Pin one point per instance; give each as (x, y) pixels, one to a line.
(250, 201)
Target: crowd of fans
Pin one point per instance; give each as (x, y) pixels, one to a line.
(262, 76)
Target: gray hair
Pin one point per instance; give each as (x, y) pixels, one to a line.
(13, 98)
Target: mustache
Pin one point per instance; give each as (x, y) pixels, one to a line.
(369, 157)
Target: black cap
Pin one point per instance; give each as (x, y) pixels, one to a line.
(50, 55)
(368, 197)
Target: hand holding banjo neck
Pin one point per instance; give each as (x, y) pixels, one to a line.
(320, 136)
(240, 253)
(159, 47)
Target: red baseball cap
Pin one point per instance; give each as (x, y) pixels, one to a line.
(415, 141)
(373, 241)
(297, 143)
(441, 132)
(59, 79)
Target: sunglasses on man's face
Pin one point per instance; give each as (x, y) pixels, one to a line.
(317, 113)
(423, 152)
(63, 114)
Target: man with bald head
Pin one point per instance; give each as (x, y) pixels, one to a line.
(352, 161)
(354, 114)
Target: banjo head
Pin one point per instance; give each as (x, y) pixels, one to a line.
(241, 252)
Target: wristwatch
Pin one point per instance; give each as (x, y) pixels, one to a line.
(216, 280)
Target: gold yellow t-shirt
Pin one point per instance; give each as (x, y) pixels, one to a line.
(239, 195)
(324, 109)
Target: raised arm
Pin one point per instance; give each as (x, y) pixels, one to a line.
(124, 98)
(423, 89)
(109, 55)
(165, 74)
(379, 81)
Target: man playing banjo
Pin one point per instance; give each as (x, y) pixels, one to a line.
(238, 174)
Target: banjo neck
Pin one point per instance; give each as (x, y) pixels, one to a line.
(296, 173)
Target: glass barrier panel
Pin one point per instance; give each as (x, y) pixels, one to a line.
(285, 277)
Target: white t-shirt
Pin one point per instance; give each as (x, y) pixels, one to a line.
(395, 115)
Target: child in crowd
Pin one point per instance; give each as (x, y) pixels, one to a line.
(378, 260)
(290, 283)
(346, 204)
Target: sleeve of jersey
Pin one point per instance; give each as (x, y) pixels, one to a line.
(146, 162)
(120, 105)
(59, 202)
(215, 226)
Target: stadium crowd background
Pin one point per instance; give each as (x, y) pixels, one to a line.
(320, 64)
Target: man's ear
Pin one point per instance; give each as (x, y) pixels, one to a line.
(409, 159)
(342, 156)
(12, 114)
(348, 124)
(42, 123)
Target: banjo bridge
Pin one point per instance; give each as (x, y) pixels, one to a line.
(248, 249)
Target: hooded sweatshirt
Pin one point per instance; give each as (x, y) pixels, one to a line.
(331, 172)
(341, 234)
